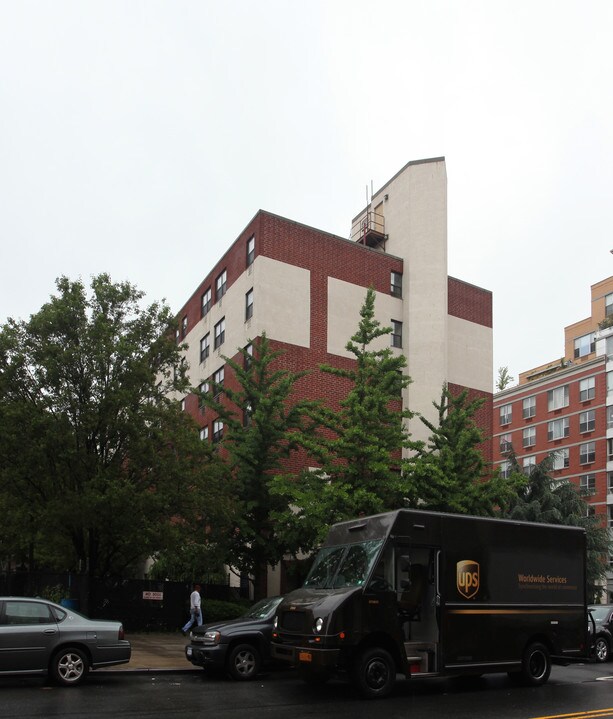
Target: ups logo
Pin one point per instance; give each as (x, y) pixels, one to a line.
(467, 578)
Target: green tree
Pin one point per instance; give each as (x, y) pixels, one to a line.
(504, 378)
(263, 426)
(553, 501)
(98, 467)
(359, 449)
(447, 473)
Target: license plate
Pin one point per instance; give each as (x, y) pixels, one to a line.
(305, 657)
(188, 651)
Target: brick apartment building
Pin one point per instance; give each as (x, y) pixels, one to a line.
(304, 288)
(565, 408)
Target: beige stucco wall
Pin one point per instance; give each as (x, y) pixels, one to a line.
(281, 305)
(470, 354)
(345, 301)
(415, 214)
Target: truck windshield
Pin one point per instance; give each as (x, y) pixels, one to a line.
(345, 566)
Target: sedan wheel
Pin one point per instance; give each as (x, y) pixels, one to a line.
(244, 662)
(69, 666)
(601, 650)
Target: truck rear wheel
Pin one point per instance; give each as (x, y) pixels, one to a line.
(536, 665)
(374, 673)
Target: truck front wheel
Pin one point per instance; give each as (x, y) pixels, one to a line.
(374, 673)
(536, 665)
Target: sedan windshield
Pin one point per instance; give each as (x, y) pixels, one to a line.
(345, 566)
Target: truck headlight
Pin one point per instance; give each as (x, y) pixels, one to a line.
(318, 626)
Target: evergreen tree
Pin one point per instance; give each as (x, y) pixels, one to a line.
(447, 473)
(263, 426)
(552, 501)
(359, 449)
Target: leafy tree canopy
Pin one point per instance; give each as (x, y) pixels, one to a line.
(98, 467)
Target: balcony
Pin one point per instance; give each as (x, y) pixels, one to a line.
(369, 230)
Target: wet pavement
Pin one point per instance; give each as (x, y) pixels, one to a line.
(156, 651)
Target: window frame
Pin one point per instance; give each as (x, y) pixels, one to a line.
(529, 411)
(552, 406)
(585, 395)
(206, 302)
(219, 336)
(506, 417)
(205, 347)
(587, 452)
(529, 436)
(221, 285)
(396, 335)
(249, 304)
(396, 284)
(589, 424)
(250, 251)
(555, 436)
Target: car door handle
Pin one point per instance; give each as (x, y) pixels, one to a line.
(50, 631)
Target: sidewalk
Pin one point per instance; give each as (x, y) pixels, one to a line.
(156, 651)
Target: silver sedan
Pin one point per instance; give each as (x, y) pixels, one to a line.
(40, 637)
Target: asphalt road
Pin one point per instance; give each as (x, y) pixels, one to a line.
(577, 692)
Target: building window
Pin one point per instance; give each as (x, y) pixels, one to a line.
(505, 443)
(249, 305)
(557, 398)
(609, 450)
(587, 452)
(506, 414)
(204, 388)
(177, 336)
(505, 470)
(610, 515)
(218, 378)
(205, 346)
(529, 464)
(587, 483)
(610, 482)
(220, 333)
(220, 285)
(529, 407)
(205, 303)
(250, 250)
(560, 459)
(183, 404)
(204, 433)
(529, 437)
(217, 430)
(587, 389)
(396, 333)
(247, 412)
(585, 345)
(184, 327)
(558, 428)
(248, 356)
(396, 284)
(608, 304)
(610, 417)
(609, 384)
(587, 421)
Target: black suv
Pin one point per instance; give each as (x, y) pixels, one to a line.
(238, 646)
(601, 633)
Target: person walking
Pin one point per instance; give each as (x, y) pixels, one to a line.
(195, 610)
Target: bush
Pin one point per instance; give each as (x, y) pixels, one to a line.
(215, 610)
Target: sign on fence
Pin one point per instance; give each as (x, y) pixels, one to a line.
(157, 596)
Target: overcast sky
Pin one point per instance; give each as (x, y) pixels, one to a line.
(140, 138)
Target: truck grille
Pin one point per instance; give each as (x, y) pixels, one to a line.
(292, 621)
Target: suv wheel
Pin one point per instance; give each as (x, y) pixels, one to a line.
(601, 649)
(244, 662)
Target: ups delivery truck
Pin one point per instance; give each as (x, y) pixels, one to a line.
(428, 594)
